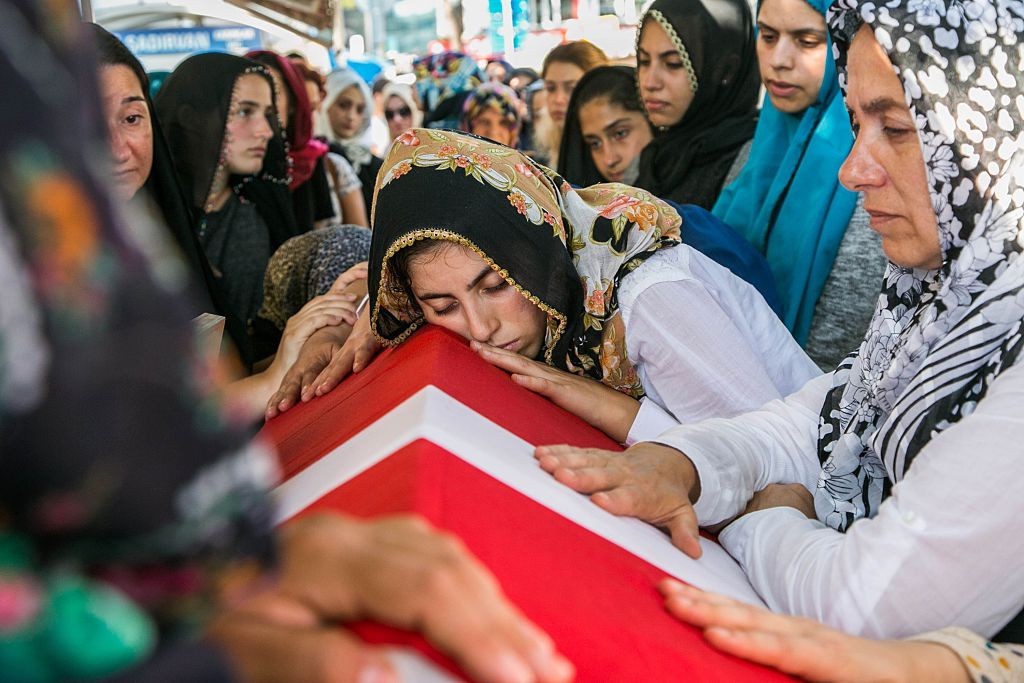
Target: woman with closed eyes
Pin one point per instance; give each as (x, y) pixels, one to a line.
(588, 297)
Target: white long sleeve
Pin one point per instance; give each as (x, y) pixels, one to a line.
(738, 456)
(704, 343)
(947, 547)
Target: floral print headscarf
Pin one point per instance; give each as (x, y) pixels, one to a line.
(938, 338)
(566, 251)
(497, 96)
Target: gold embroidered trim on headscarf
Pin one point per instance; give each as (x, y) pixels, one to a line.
(673, 36)
(389, 291)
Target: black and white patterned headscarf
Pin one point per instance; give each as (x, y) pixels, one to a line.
(938, 338)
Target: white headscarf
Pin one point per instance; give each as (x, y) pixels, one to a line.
(938, 338)
(356, 150)
(404, 93)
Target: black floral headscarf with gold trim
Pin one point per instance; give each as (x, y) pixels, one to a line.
(564, 250)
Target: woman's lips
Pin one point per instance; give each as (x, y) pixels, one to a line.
(781, 88)
(879, 219)
(655, 105)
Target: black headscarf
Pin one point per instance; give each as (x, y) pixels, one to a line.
(565, 251)
(193, 106)
(689, 161)
(575, 162)
(163, 188)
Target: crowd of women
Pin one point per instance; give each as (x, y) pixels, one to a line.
(804, 319)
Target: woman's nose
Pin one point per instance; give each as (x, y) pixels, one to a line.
(481, 324)
(861, 170)
(650, 79)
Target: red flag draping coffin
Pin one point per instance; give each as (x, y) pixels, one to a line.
(430, 428)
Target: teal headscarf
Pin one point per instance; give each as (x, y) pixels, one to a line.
(787, 199)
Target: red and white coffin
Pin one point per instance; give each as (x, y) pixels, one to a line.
(431, 428)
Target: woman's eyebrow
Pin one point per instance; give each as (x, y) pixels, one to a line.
(615, 123)
(880, 105)
(438, 295)
(811, 32)
(480, 276)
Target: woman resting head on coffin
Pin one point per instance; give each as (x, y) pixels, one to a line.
(587, 296)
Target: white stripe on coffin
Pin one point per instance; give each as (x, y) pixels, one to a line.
(410, 665)
(430, 414)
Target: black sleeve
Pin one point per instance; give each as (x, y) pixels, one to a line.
(322, 206)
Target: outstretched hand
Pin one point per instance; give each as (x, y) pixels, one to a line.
(314, 356)
(648, 481)
(354, 355)
(332, 308)
(804, 647)
(599, 405)
(323, 347)
(401, 571)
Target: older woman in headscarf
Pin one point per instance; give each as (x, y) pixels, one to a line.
(144, 171)
(344, 120)
(911, 447)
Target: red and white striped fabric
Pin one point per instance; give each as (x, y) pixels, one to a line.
(432, 429)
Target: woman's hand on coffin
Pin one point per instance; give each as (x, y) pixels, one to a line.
(332, 308)
(314, 356)
(402, 572)
(648, 481)
(354, 355)
(271, 648)
(599, 405)
(806, 648)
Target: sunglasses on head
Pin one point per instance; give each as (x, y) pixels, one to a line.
(404, 113)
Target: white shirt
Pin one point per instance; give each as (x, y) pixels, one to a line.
(947, 547)
(704, 342)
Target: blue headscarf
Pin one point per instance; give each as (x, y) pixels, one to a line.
(787, 199)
